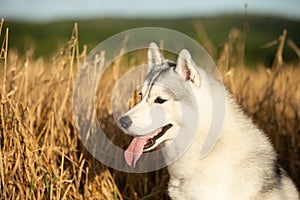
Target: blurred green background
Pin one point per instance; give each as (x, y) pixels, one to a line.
(46, 38)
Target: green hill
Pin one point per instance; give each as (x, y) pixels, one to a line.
(46, 39)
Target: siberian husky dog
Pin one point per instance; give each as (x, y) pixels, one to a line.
(241, 166)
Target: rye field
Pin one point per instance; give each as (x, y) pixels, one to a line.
(41, 155)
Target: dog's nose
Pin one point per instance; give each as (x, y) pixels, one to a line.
(125, 121)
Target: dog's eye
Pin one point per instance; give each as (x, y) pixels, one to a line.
(159, 100)
(141, 95)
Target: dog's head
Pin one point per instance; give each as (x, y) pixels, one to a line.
(156, 119)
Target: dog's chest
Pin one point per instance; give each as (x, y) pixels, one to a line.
(195, 181)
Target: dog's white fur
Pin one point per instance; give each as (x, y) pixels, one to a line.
(242, 164)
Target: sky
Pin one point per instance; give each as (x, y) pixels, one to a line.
(54, 10)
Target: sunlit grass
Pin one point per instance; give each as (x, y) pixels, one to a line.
(41, 156)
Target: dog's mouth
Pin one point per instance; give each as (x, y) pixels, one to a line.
(141, 144)
(151, 141)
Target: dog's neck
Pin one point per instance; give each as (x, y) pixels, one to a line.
(232, 121)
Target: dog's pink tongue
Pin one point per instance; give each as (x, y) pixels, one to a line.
(136, 147)
(134, 151)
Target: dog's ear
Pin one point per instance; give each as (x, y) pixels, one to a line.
(155, 58)
(186, 68)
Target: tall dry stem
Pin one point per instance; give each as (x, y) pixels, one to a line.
(3, 54)
(278, 61)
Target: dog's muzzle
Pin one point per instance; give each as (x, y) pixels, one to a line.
(125, 122)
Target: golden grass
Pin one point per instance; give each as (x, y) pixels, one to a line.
(41, 156)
